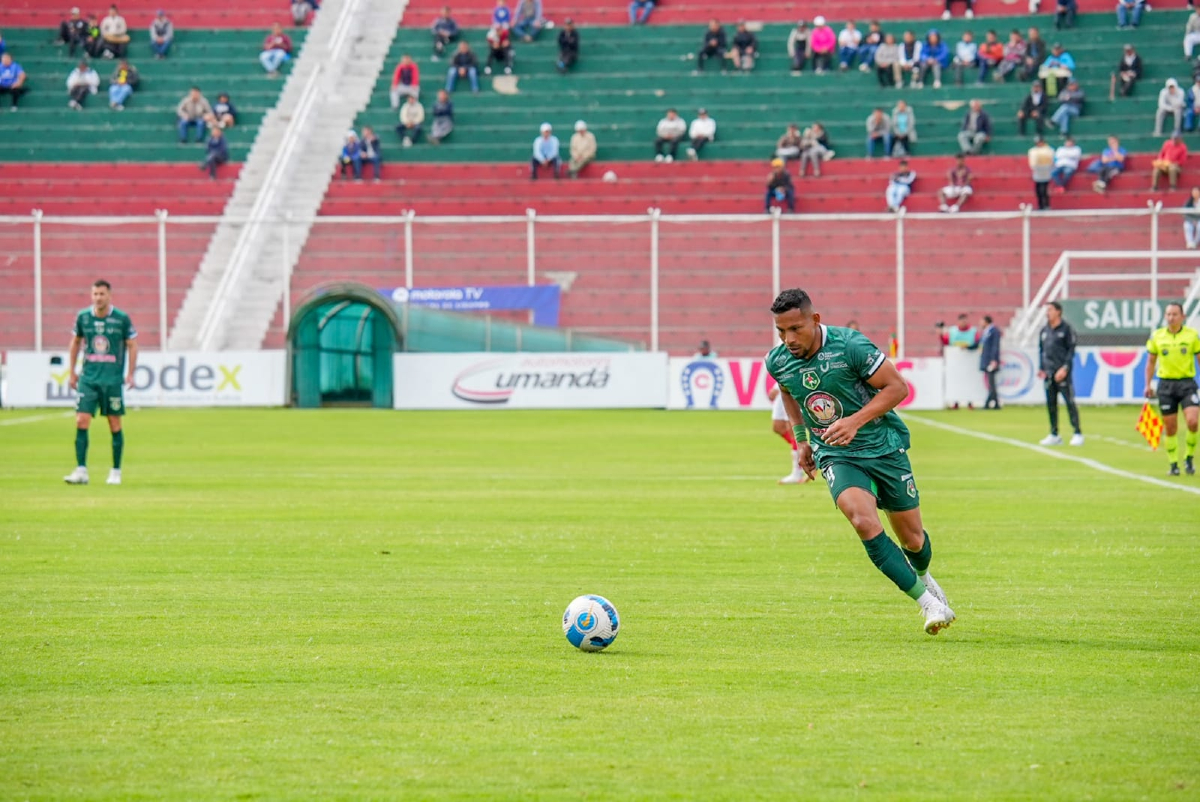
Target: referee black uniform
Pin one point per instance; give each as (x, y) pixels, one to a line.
(1056, 349)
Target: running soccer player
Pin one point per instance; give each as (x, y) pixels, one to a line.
(1173, 349)
(106, 335)
(843, 390)
(783, 427)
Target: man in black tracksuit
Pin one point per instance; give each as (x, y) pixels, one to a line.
(1056, 354)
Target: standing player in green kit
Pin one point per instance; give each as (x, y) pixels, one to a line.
(107, 337)
(842, 389)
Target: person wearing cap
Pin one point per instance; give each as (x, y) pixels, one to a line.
(822, 44)
(1128, 72)
(1170, 101)
(351, 156)
(668, 134)
(545, 153)
(639, 11)
(528, 21)
(714, 44)
(568, 46)
(1170, 161)
(162, 34)
(702, 131)
(779, 187)
(583, 149)
(797, 47)
(1058, 66)
(73, 31)
(745, 48)
(464, 65)
(412, 119)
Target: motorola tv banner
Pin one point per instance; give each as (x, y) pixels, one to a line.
(542, 299)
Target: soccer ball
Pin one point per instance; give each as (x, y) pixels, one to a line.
(591, 623)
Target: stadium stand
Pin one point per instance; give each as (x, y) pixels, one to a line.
(186, 15)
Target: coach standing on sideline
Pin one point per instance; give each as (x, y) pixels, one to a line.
(1056, 354)
(989, 360)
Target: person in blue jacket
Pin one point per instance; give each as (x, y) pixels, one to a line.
(935, 56)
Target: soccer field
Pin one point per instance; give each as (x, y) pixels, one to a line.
(360, 605)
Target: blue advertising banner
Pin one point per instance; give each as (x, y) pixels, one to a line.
(542, 299)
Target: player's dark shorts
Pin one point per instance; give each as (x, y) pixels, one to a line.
(110, 398)
(889, 478)
(1176, 394)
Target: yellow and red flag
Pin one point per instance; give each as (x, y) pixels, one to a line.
(1149, 425)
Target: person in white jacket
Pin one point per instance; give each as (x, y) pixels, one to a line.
(1170, 101)
(82, 81)
(701, 132)
(669, 134)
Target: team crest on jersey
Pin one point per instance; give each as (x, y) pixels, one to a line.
(810, 380)
(115, 404)
(910, 486)
(100, 344)
(824, 408)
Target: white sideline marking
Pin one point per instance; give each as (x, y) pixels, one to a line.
(35, 418)
(1091, 463)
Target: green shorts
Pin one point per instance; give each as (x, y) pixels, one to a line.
(110, 398)
(888, 478)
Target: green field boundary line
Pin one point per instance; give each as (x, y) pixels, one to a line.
(36, 418)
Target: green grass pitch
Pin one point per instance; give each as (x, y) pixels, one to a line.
(364, 605)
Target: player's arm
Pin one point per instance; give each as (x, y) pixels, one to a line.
(892, 390)
(73, 359)
(131, 356)
(1061, 374)
(803, 449)
(1150, 363)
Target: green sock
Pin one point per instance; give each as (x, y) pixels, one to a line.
(1191, 443)
(919, 560)
(81, 444)
(1172, 449)
(118, 447)
(887, 558)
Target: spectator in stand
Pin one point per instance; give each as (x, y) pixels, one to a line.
(745, 48)
(879, 131)
(1033, 107)
(443, 118)
(797, 47)
(1064, 13)
(702, 131)
(713, 46)
(406, 81)
(368, 149)
(904, 130)
(545, 153)
(1056, 70)
(870, 43)
(1066, 162)
(910, 60)
(82, 81)
(991, 55)
(822, 43)
(93, 42)
(412, 120)
(301, 9)
(966, 54)
(568, 46)
(788, 146)
(463, 66)
(583, 149)
(216, 152)
(12, 80)
(73, 31)
(779, 187)
(887, 63)
(969, 13)
(1108, 165)
(1170, 101)
(528, 21)
(276, 49)
(1191, 220)
(1035, 55)
(814, 149)
(1070, 105)
(162, 34)
(1128, 73)
(351, 156)
(444, 30)
(935, 57)
(115, 34)
(499, 49)
(963, 335)
(1014, 56)
(224, 114)
(501, 15)
(639, 11)
(848, 41)
(190, 113)
(900, 186)
(1041, 163)
(1129, 13)
(976, 129)
(958, 186)
(121, 85)
(1169, 162)
(1191, 35)
(1191, 104)
(668, 134)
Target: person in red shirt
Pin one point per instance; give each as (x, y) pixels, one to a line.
(406, 80)
(1170, 161)
(276, 49)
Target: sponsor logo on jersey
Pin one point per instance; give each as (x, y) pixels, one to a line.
(810, 380)
(824, 409)
(100, 344)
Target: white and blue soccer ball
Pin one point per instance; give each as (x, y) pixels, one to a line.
(591, 623)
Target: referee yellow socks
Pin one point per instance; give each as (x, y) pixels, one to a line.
(888, 558)
(1173, 448)
(1191, 443)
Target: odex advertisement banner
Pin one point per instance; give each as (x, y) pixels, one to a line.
(742, 383)
(1101, 376)
(179, 379)
(530, 381)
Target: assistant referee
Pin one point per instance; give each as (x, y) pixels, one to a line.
(1173, 349)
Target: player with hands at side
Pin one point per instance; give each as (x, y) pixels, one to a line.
(1173, 349)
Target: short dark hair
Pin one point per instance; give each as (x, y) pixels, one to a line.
(963, 316)
(1174, 303)
(1056, 305)
(987, 319)
(788, 300)
(102, 283)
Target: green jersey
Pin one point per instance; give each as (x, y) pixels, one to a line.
(833, 385)
(104, 345)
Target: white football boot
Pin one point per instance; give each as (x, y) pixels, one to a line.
(114, 476)
(933, 587)
(1051, 440)
(79, 476)
(1077, 439)
(938, 616)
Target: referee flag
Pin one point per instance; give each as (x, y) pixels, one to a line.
(1149, 425)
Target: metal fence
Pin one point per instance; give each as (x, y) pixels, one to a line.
(663, 280)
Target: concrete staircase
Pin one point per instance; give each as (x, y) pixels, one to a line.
(249, 260)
